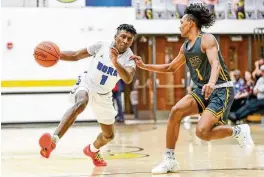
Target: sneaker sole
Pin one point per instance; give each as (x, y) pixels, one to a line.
(170, 171)
(87, 154)
(160, 173)
(44, 153)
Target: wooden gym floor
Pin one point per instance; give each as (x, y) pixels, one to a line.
(133, 152)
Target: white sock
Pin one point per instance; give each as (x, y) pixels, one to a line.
(55, 139)
(169, 153)
(236, 131)
(93, 149)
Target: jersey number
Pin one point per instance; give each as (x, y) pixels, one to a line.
(103, 80)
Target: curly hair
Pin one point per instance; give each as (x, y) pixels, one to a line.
(128, 28)
(199, 14)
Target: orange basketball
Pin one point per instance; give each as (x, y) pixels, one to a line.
(47, 54)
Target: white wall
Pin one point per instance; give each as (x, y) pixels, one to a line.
(70, 29)
(38, 108)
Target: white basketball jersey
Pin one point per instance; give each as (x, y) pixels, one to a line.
(101, 75)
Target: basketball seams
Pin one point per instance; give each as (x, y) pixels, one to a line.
(52, 63)
(46, 55)
(51, 44)
(46, 52)
(45, 60)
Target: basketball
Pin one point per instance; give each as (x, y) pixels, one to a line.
(47, 54)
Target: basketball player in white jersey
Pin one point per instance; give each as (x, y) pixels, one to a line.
(109, 63)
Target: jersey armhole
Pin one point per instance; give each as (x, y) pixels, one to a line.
(218, 47)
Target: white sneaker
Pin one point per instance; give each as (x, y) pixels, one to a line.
(167, 165)
(244, 138)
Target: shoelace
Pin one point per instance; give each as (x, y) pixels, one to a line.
(98, 157)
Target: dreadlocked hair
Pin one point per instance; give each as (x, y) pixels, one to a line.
(200, 15)
(128, 28)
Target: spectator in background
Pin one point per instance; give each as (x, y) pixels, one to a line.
(211, 4)
(250, 83)
(148, 10)
(239, 84)
(134, 98)
(257, 72)
(259, 89)
(239, 9)
(180, 7)
(119, 88)
(252, 105)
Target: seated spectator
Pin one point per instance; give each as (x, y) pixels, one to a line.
(240, 95)
(251, 105)
(257, 72)
(250, 83)
(239, 82)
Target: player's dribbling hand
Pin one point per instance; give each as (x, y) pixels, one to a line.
(138, 60)
(114, 55)
(207, 90)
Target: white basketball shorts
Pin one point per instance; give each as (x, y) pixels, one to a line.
(101, 104)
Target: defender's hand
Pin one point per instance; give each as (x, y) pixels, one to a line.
(114, 55)
(207, 90)
(138, 60)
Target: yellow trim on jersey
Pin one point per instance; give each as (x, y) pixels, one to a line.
(223, 73)
(37, 83)
(199, 74)
(198, 99)
(227, 91)
(227, 97)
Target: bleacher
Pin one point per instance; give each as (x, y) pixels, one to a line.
(224, 9)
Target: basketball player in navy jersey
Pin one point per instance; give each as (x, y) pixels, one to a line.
(214, 94)
(109, 63)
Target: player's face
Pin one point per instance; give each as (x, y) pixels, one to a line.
(185, 26)
(123, 40)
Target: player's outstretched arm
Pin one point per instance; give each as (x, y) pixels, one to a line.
(74, 55)
(161, 68)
